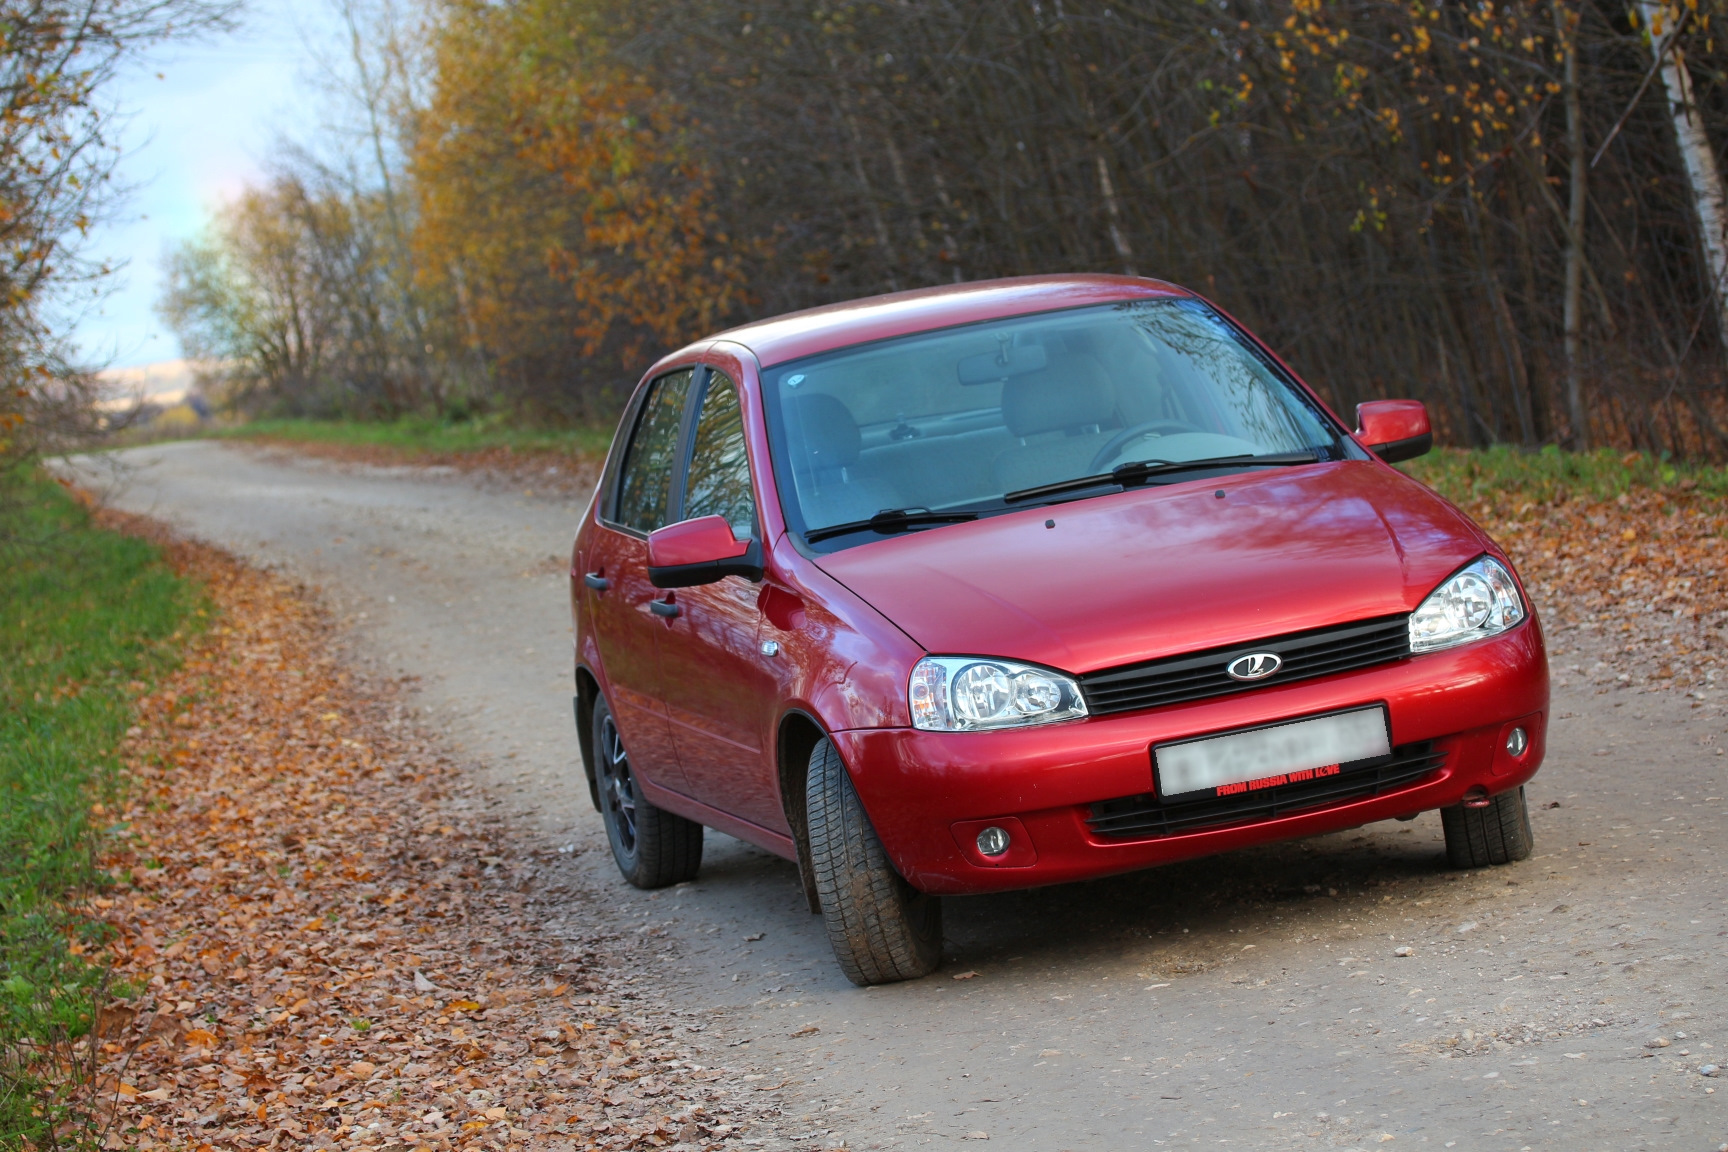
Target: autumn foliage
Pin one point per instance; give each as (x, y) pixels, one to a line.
(564, 207)
(1482, 205)
(58, 60)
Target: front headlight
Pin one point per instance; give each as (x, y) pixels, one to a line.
(975, 693)
(1479, 601)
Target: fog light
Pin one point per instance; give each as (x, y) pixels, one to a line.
(1516, 741)
(993, 841)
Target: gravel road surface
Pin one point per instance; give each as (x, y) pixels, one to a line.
(1578, 1000)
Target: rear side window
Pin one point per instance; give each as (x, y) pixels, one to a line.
(645, 481)
(719, 478)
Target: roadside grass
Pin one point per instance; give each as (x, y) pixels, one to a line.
(413, 436)
(1470, 476)
(1463, 475)
(86, 613)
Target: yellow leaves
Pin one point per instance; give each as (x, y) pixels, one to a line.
(464, 1006)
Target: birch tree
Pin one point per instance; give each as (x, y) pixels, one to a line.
(1663, 24)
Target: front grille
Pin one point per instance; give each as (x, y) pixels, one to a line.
(1146, 816)
(1198, 675)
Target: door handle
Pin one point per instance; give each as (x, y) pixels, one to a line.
(663, 608)
(596, 581)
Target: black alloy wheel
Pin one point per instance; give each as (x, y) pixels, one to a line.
(653, 847)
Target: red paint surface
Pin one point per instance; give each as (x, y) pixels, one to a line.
(1159, 571)
(1388, 421)
(699, 541)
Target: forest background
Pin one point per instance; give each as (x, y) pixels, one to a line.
(1495, 206)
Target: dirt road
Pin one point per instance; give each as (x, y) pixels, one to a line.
(1254, 999)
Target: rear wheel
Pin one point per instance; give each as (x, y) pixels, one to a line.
(653, 847)
(881, 928)
(1497, 833)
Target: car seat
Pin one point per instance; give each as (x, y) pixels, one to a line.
(831, 487)
(1058, 415)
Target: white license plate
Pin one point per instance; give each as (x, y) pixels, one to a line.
(1267, 757)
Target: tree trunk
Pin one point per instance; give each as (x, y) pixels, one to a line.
(1701, 170)
(1113, 212)
(1566, 31)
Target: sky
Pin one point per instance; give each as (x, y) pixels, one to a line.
(195, 137)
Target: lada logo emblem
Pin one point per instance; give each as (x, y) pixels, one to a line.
(1257, 666)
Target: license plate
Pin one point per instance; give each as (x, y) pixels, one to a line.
(1270, 756)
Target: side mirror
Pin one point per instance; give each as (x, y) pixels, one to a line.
(700, 551)
(1395, 430)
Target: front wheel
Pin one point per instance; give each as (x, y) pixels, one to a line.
(881, 928)
(653, 847)
(1497, 833)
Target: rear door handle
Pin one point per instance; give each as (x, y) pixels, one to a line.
(596, 581)
(663, 608)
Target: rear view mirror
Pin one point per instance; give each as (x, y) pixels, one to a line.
(989, 367)
(700, 551)
(1394, 430)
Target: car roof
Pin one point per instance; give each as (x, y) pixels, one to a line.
(814, 330)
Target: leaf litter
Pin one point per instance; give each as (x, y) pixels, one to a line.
(331, 950)
(1633, 591)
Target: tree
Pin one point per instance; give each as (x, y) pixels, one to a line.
(57, 59)
(564, 205)
(1663, 23)
(289, 302)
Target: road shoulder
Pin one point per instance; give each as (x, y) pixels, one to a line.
(335, 942)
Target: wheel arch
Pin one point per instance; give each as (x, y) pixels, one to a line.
(797, 736)
(587, 692)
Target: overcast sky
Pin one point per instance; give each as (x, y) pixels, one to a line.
(196, 135)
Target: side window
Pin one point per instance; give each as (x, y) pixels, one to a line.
(645, 481)
(719, 477)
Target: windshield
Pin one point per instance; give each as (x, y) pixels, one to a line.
(990, 417)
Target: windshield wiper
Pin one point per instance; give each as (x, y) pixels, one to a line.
(1139, 471)
(889, 520)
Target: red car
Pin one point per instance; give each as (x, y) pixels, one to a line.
(1023, 582)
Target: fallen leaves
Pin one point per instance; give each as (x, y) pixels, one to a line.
(335, 948)
(1635, 588)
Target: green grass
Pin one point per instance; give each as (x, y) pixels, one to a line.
(1464, 475)
(415, 435)
(85, 614)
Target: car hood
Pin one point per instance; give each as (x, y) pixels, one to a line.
(1157, 571)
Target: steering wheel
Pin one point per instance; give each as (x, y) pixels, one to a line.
(1122, 439)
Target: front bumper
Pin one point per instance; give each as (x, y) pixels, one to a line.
(928, 793)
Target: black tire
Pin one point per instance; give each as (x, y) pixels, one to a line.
(653, 847)
(881, 928)
(1497, 834)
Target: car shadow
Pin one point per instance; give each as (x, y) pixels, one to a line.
(1202, 910)
(1176, 920)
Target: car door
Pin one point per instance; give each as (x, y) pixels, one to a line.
(628, 625)
(718, 686)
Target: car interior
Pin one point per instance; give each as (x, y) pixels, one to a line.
(956, 418)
